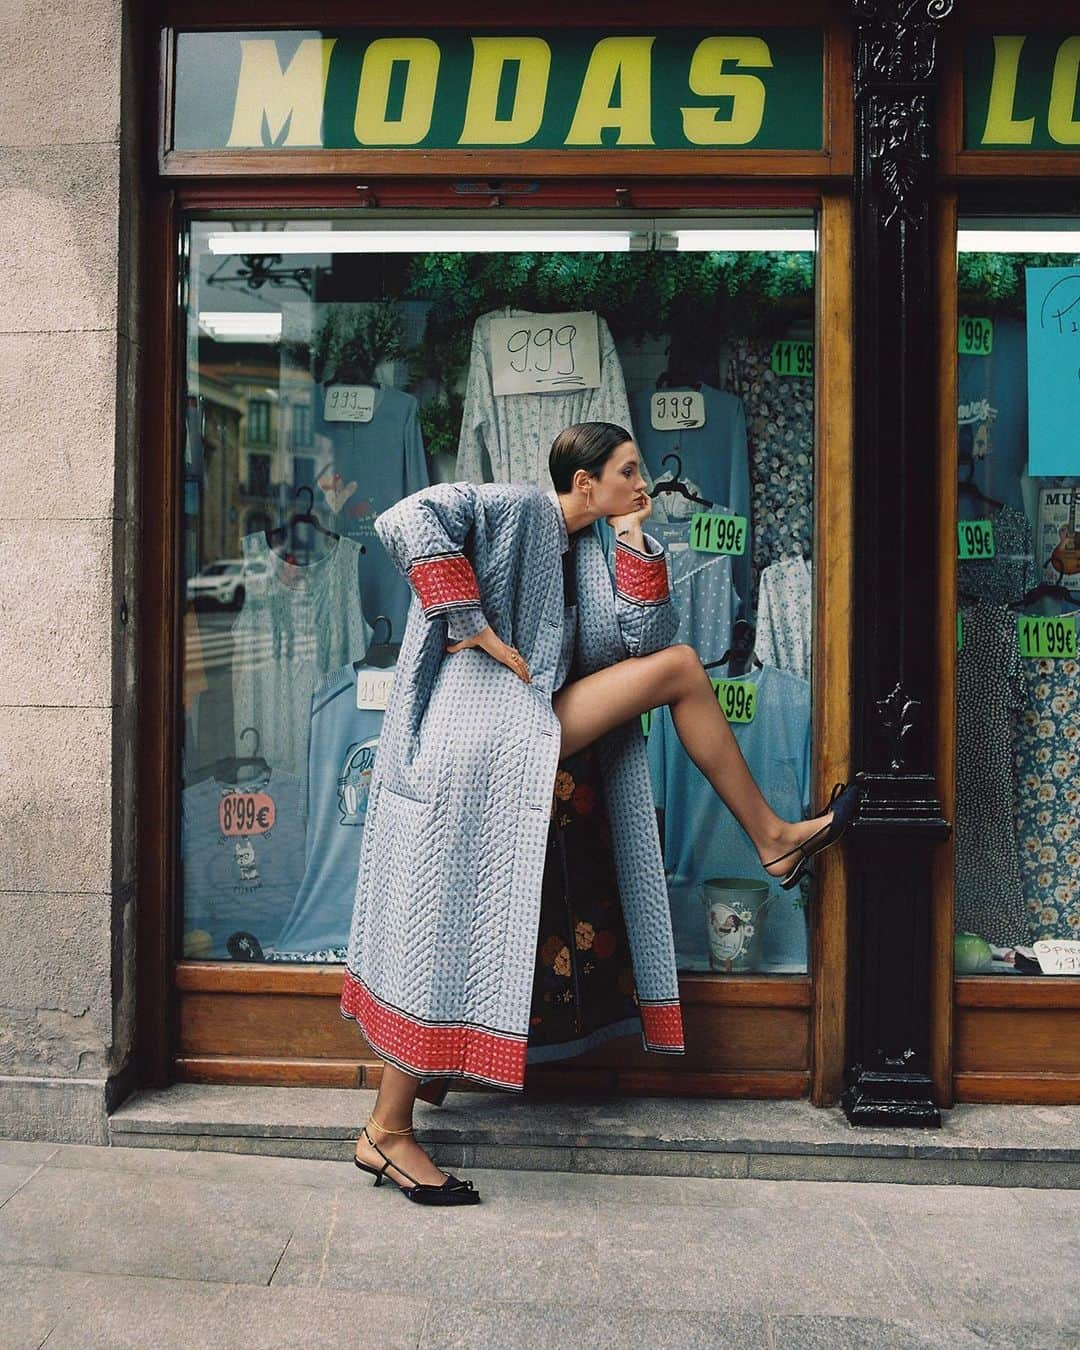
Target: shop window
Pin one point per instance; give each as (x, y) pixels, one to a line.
(1018, 673)
(380, 346)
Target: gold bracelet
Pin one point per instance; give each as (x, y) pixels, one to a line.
(373, 1121)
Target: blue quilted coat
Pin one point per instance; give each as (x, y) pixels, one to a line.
(442, 945)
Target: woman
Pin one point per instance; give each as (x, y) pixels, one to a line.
(440, 961)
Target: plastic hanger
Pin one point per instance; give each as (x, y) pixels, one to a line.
(381, 655)
(739, 657)
(280, 533)
(227, 770)
(675, 484)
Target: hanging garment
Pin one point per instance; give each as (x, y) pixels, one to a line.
(307, 622)
(1006, 576)
(443, 940)
(701, 586)
(990, 697)
(992, 412)
(367, 467)
(784, 616)
(341, 759)
(242, 848)
(1048, 813)
(702, 839)
(713, 459)
(507, 439)
(779, 413)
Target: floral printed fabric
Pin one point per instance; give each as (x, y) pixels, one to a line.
(1048, 810)
(583, 990)
(780, 431)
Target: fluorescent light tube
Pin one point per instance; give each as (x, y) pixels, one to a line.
(1018, 241)
(241, 326)
(690, 240)
(439, 240)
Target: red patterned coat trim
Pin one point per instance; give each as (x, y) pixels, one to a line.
(441, 1048)
(662, 1026)
(443, 582)
(640, 577)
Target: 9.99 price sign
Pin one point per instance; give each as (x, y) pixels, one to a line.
(737, 699)
(246, 813)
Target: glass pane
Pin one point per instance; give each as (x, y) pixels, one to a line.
(1018, 709)
(332, 369)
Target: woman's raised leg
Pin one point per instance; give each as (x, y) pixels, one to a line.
(588, 707)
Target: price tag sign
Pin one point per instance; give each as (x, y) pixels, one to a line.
(1058, 956)
(349, 403)
(793, 358)
(373, 689)
(976, 336)
(646, 722)
(1051, 637)
(713, 533)
(246, 813)
(544, 353)
(976, 539)
(678, 411)
(737, 699)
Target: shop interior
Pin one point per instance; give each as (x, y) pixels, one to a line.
(333, 366)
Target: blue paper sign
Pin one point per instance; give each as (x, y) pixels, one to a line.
(1053, 362)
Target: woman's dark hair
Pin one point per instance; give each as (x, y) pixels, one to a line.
(586, 445)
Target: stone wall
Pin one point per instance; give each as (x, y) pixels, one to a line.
(69, 358)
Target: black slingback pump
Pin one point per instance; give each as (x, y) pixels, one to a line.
(844, 804)
(453, 1191)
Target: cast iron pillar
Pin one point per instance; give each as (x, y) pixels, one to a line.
(892, 843)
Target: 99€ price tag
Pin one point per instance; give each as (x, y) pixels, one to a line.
(737, 699)
(713, 533)
(1047, 637)
(246, 813)
(976, 336)
(976, 539)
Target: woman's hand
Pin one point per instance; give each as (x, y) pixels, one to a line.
(500, 650)
(628, 527)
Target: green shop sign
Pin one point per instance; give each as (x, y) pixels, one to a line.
(572, 89)
(1020, 91)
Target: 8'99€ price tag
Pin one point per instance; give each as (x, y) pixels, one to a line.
(713, 533)
(737, 699)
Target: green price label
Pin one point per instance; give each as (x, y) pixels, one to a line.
(712, 533)
(976, 539)
(793, 358)
(737, 698)
(976, 337)
(1047, 637)
(646, 722)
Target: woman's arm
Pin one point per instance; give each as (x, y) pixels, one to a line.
(425, 535)
(644, 608)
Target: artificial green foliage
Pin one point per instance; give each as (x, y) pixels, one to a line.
(353, 340)
(994, 282)
(641, 295)
(440, 422)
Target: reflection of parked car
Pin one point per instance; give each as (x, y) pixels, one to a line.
(226, 582)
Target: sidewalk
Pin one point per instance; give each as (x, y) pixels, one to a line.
(166, 1248)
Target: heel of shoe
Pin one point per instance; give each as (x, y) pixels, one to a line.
(378, 1175)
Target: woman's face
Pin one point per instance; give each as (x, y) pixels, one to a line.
(620, 489)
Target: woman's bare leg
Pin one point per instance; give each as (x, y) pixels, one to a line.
(588, 707)
(393, 1108)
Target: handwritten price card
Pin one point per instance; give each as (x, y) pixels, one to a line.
(1050, 637)
(1053, 370)
(737, 699)
(246, 813)
(373, 689)
(681, 410)
(350, 402)
(713, 533)
(544, 353)
(1058, 956)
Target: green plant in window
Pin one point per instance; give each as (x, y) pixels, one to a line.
(440, 423)
(353, 340)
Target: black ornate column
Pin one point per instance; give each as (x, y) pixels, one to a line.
(888, 1073)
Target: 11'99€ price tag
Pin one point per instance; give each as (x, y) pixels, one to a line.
(976, 539)
(737, 699)
(1050, 637)
(712, 533)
